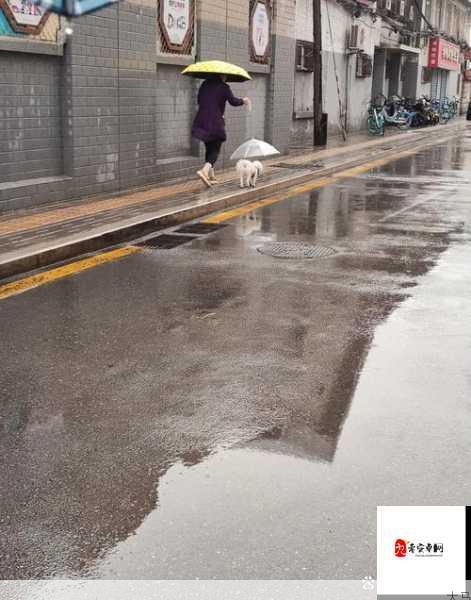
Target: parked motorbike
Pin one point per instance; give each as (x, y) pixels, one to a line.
(391, 111)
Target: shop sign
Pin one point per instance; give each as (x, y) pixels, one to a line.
(443, 55)
(176, 22)
(467, 66)
(24, 16)
(260, 32)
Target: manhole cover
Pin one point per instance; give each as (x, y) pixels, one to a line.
(295, 250)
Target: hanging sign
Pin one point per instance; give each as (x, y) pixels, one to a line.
(24, 16)
(260, 32)
(443, 55)
(176, 23)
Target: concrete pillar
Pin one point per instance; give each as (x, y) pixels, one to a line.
(281, 85)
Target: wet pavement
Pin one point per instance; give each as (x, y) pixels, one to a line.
(208, 411)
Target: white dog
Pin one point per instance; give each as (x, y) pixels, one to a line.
(249, 172)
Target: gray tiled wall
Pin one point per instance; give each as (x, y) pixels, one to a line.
(176, 98)
(137, 98)
(281, 92)
(92, 104)
(30, 116)
(109, 117)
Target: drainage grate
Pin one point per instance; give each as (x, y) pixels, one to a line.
(295, 250)
(200, 228)
(299, 166)
(166, 241)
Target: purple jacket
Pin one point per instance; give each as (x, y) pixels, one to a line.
(209, 125)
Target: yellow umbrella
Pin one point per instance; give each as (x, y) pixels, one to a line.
(204, 70)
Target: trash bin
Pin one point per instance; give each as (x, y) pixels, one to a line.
(323, 139)
(468, 114)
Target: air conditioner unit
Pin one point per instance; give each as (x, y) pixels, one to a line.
(402, 8)
(354, 37)
(388, 5)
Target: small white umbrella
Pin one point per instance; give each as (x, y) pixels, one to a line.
(254, 149)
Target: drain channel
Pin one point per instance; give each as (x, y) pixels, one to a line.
(166, 241)
(283, 165)
(200, 228)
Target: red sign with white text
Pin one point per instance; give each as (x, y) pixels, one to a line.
(443, 55)
(467, 66)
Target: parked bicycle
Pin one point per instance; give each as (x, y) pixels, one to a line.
(391, 111)
(404, 112)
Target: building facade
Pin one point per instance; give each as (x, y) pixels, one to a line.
(374, 50)
(105, 108)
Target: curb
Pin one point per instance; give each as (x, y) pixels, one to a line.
(122, 233)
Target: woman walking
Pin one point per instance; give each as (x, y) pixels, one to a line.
(209, 126)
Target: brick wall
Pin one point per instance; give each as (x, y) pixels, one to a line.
(30, 116)
(281, 89)
(256, 120)
(92, 110)
(176, 105)
(117, 116)
(272, 90)
(137, 97)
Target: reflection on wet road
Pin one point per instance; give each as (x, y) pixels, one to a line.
(211, 412)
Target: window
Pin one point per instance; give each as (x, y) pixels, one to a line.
(304, 56)
(426, 75)
(364, 65)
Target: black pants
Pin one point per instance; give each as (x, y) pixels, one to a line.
(212, 151)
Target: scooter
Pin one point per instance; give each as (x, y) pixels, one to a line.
(375, 120)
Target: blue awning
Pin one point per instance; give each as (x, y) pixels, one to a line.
(73, 8)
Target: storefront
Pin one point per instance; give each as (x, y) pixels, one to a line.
(444, 63)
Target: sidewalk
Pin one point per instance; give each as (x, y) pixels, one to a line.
(34, 238)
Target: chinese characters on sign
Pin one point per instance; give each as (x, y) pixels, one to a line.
(403, 548)
(443, 55)
(467, 66)
(260, 32)
(24, 16)
(176, 23)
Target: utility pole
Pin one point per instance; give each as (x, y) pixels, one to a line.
(317, 73)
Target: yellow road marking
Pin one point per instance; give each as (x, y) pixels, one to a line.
(23, 285)
(307, 187)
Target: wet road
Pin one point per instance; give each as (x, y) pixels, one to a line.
(208, 411)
